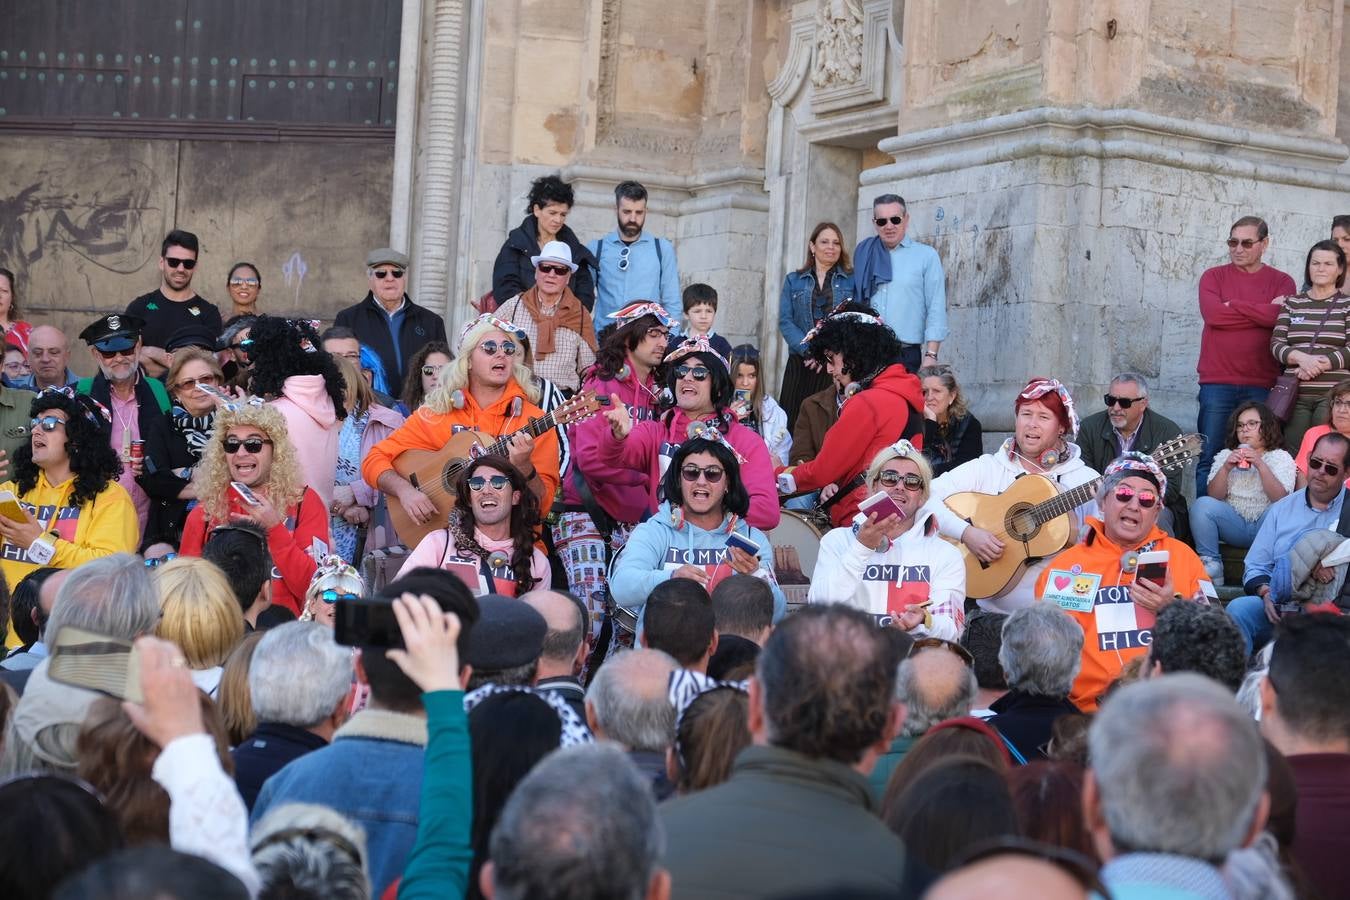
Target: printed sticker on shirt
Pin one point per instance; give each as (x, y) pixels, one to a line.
(1072, 591)
(1121, 623)
(713, 561)
(67, 520)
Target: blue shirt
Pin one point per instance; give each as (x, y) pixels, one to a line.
(1163, 876)
(1287, 520)
(635, 271)
(914, 301)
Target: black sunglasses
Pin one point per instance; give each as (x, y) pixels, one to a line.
(700, 373)
(113, 354)
(554, 270)
(894, 220)
(381, 274)
(911, 481)
(1318, 465)
(711, 474)
(252, 445)
(174, 262)
(1123, 402)
(1245, 244)
(478, 482)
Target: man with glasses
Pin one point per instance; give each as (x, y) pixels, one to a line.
(1315, 507)
(387, 320)
(173, 305)
(1128, 423)
(1239, 303)
(903, 281)
(631, 264)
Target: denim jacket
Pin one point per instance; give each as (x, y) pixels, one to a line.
(796, 313)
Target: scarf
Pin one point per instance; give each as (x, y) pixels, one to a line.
(570, 314)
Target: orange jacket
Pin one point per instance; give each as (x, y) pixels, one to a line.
(1115, 629)
(427, 430)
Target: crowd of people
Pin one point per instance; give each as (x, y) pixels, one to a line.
(568, 605)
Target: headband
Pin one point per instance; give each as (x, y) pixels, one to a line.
(708, 431)
(499, 323)
(90, 407)
(685, 687)
(334, 566)
(903, 447)
(640, 308)
(1042, 386)
(849, 316)
(574, 731)
(694, 345)
(1140, 463)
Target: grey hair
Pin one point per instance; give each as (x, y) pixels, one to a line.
(926, 701)
(298, 674)
(111, 596)
(1042, 650)
(294, 859)
(1180, 767)
(884, 199)
(581, 825)
(1133, 378)
(1249, 694)
(630, 696)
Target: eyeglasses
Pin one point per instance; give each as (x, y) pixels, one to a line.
(1340, 404)
(332, 596)
(478, 482)
(554, 270)
(208, 379)
(244, 282)
(1147, 499)
(1123, 402)
(160, 560)
(47, 423)
(113, 354)
(700, 373)
(252, 445)
(711, 474)
(934, 643)
(174, 262)
(382, 274)
(657, 331)
(1319, 465)
(911, 481)
(1245, 244)
(1256, 423)
(432, 371)
(491, 347)
(623, 259)
(894, 220)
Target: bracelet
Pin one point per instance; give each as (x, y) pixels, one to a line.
(930, 355)
(534, 473)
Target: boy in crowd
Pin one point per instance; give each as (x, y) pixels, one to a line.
(700, 311)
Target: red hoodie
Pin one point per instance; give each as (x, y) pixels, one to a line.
(872, 419)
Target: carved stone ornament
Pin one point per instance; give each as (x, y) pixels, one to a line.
(839, 43)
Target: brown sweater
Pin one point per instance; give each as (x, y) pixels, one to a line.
(818, 412)
(1301, 320)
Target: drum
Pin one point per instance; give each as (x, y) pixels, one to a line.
(796, 543)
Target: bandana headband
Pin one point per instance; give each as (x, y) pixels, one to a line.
(90, 407)
(849, 316)
(499, 323)
(700, 430)
(1138, 462)
(574, 731)
(1042, 386)
(694, 345)
(640, 308)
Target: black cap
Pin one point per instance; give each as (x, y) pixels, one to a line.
(191, 335)
(114, 332)
(508, 633)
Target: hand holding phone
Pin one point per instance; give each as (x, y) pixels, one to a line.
(882, 505)
(245, 493)
(1152, 566)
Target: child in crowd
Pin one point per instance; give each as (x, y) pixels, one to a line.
(700, 311)
(754, 408)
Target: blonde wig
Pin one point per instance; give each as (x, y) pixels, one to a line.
(901, 449)
(284, 486)
(199, 611)
(455, 377)
(360, 397)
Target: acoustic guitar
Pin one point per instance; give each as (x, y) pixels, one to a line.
(1034, 520)
(435, 472)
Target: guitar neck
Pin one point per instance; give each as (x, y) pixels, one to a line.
(1066, 502)
(534, 429)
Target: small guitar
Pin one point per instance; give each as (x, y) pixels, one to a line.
(1033, 519)
(435, 472)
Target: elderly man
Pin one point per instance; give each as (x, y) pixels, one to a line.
(1097, 581)
(49, 355)
(582, 824)
(387, 320)
(564, 648)
(1162, 820)
(934, 683)
(300, 682)
(628, 703)
(558, 327)
(796, 816)
(1041, 652)
(506, 643)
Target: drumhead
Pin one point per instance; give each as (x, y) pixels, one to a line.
(796, 544)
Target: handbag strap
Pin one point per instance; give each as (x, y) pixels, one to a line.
(1326, 317)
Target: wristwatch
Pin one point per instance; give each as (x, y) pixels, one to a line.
(42, 550)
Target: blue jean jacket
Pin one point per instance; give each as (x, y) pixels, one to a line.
(797, 312)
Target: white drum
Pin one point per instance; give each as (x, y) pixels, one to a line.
(796, 544)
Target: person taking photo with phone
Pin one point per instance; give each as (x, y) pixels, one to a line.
(891, 561)
(249, 471)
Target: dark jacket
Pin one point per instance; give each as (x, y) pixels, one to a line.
(797, 310)
(783, 824)
(513, 273)
(1025, 720)
(570, 690)
(1097, 439)
(266, 753)
(152, 404)
(370, 322)
(14, 418)
(166, 453)
(818, 412)
(963, 442)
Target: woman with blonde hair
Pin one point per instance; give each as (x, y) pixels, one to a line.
(359, 519)
(233, 696)
(334, 580)
(250, 447)
(199, 613)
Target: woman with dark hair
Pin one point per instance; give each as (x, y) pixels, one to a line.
(964, 736)
(305, 386)
(546, 209)
(959, 802)
(688, 536)
(1310, 339)
(757, 410)
(883, 403)
(65, 478)
(424, 373)
(951, 433)
(1248, 475)
(1048, 797)
(244, 284)
(823, 283)
(50, 828)
(14, 330)
(489, 540)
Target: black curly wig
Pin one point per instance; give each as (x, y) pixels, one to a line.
(866, 348)
(722, 391)
(615, 345)
(279, 352)
(92, 458)
(737, 498)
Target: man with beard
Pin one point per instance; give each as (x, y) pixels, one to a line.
(633, 265)
(174, 305)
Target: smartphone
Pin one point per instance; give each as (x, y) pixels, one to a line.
(1153, 566)
(740, 540)
(10, 508)
(245, 493)
(366, 622)
(881, 504)
(96, 662)
(742, 395)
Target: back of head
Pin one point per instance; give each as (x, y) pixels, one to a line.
(1041, 651)
(388, 685)
(1310, 674)
(116, 759)
(234, 696)
(934, 684)
(1179, 767)
(112, 596)
(712, 731)
(964, 737)
(240, 551)
(629, 695)
(1197, 637)
(678, 619)
(735, 658)
(50, 826)
(960, 801)
(743, 606)
(308, 852)
(567, 620)
(1048, 797)
(298, 674)
(828, 681)
(26, 598)
(581, 826)
(199, 611)
(983, 636)
(152, 873)
(507, 642)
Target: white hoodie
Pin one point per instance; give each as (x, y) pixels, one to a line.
(993, 473)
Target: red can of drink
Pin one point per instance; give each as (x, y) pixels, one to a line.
(137, 451)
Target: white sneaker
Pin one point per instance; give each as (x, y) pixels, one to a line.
(1214, 569)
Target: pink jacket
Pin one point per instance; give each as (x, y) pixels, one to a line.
(621, 492)
(313, 427)
(643, 450)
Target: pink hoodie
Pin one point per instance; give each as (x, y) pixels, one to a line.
(313, 427)
(621, 492)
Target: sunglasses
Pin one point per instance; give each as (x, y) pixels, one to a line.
(894, 220)
(160, 560)
(1147, 499)
(554, 270)
(491, 347)
(174, 262)
(623, 259)
(700, 373)
(911, 481)
(432, 371)
(47, 423)
(113, 354)
(332, 596)
(1122, 402)
(933, 643)
(252, 445)
(244, 282)
(478, 482)
(1318, 465)
(382, 274)
(245, 345)
(1246, 244)
(711, 474)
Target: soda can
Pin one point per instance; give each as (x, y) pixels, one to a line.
(137, 451)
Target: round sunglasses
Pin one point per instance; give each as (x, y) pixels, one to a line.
(498, 482)
(491, 347)
(1147, 499)
(711, 474)
(911, 481)
(700, 373)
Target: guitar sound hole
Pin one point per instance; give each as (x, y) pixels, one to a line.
(450, 474)
(1020, 525)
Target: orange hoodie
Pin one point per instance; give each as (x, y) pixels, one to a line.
(1087, 583)
(427, 430)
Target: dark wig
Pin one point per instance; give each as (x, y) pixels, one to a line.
(281, 352)
(737, 498)
(92, 458)
(615, 345)
(413, 395)
(722, 390)
(524, 519)
(865, 348)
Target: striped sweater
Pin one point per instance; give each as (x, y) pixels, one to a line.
(1304, 318)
